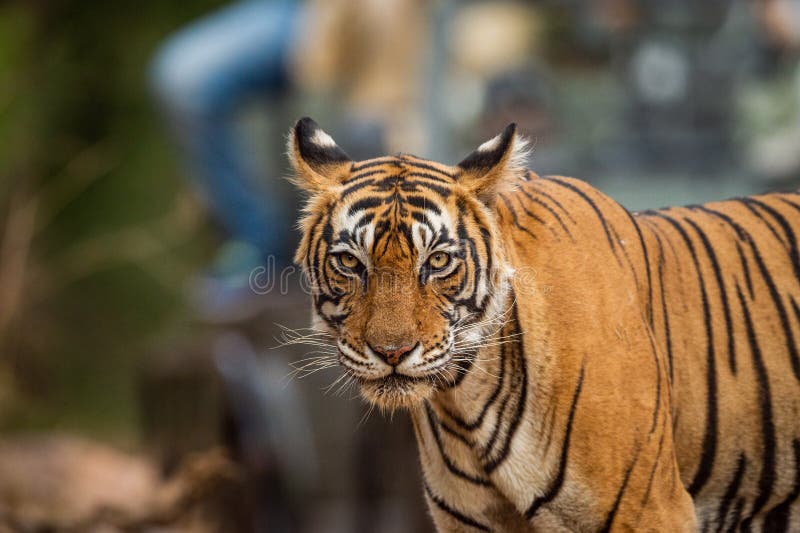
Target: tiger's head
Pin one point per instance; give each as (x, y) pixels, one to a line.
(403, 258)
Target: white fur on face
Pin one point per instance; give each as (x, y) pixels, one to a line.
(366, 366)
(365, 237)
(419, 363)
(424, 239)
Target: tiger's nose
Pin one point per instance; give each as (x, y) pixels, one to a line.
(393, 354)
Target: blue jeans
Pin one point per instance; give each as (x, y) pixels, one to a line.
(200, 76)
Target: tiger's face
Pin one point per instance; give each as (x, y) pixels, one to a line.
(404, 264)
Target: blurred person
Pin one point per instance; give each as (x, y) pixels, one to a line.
(201, 77)
(363, 54)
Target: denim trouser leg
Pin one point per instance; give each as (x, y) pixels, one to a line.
(200, 76)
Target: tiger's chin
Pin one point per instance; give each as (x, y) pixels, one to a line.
(397, 392)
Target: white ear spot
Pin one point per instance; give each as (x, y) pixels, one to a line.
(321, 138)
(491, 144)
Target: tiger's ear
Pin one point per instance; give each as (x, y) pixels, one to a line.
(495, 166)
(317, 160)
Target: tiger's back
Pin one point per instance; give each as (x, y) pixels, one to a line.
(717, 287)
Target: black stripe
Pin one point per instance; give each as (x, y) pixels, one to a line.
(498, 424)
(664, 309)
(363, 364)
(549, 428)
(425, 166)
(708, 452)
(555, 485)
(652, 475)
(730, 494)
(519, 348)
(646, 258)
(792, 347)
(616, 238)
(746, 269)
(778, 518)
(550, 209)
(448, 462)
(369, 202)
(311, 245)
(557, 203)
(455, 434)
(594, 207)
(363, 221)
(411, 185)
(747, 203)
(515, 218)
(789, 202)
(351, 188)
(463, 236)
(620, 493)
(536, 217)
(422, 218)
(767, 478)
(657, 406)
(773, 290)
(387, 160)
(428, 176)
(486, 239)
(737, 514)
(422, 203)
(740, 231)
(795, 309)
(787, 229)
(470, 426)
(356, 179)
(317, 261)
(479, 272)
(460, 517)
(726, 311)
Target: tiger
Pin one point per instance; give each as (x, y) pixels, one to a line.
(568, 365)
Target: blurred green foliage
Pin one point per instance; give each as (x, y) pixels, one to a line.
(97, 231)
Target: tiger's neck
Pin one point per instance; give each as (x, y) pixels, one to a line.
(486, 406)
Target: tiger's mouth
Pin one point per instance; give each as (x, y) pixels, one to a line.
(397, 390)
(397, 380)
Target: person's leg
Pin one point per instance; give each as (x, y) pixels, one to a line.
(200, 76)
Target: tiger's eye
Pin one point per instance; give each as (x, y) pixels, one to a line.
(439, 260)
(348, 260)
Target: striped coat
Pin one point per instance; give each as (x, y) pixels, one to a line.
(568, 365)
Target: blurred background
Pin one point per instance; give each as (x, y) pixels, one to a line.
(150, 371)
